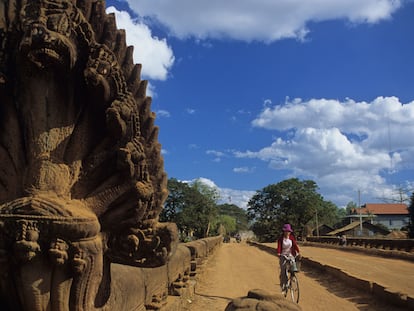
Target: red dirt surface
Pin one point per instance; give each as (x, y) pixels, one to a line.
(236, 268)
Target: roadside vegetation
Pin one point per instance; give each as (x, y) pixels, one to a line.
(194, 208)
(411, 215)
(290, 201)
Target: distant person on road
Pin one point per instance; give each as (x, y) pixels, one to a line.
(238, 238)
(342, 240)
(286, 246)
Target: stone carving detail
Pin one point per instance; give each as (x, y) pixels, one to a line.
(82, 180)
(258, 299)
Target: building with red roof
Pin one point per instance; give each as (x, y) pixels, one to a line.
(391, 215)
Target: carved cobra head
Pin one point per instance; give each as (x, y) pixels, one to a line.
(49, 37)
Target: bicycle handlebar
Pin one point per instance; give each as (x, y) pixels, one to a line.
(289, 256)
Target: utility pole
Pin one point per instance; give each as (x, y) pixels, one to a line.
(360, 212)
(317, 224)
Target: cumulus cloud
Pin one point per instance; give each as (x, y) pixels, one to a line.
(163, 113)
(346, 146)
(239, 198)
(206, 181)
(261, 20)
(154, 53)
(378, 125)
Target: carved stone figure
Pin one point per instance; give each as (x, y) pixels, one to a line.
(82, 180)
(258, 299)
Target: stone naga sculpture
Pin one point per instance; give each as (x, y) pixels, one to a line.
(81, 174)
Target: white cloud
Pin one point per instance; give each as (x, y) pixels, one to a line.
(379, 125)
(345, 146)
(243, 169)
(267, 102)
(230, 196)
(151, 90)
(239, 198)
(206, 181)
(261, 20)
(163, 113)
(153, 53)
(215, 153)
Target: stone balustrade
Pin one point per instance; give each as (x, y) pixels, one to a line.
(169, 286)
(395, 248)
(406, 245)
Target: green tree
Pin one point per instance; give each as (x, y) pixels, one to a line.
(197, 214)
(211, 196)
(191, 206)
(411, 217)
(330, 214)
(266, 230)
(239, 214)
(289, 201)
(341, 214)
(209, 192)
(175, 201)
(225, 224)
(351, 207)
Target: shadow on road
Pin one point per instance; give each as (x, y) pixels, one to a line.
(214, 297)
(364, 301)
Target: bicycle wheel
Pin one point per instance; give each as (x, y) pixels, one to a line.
(294, 288)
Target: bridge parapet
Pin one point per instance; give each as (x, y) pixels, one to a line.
(393, 293)
(394, 248)
(406, 245)
(170, 286)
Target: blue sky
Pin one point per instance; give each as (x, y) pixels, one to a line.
(249, 93)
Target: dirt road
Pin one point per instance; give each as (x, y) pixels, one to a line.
(237, 268)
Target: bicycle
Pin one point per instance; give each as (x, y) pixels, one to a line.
(292, 284)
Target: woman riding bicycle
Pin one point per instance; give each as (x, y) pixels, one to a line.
(287, 247)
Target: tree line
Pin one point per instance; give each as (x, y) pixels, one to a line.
(411, 217)
(291, 201)
(194, 208)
